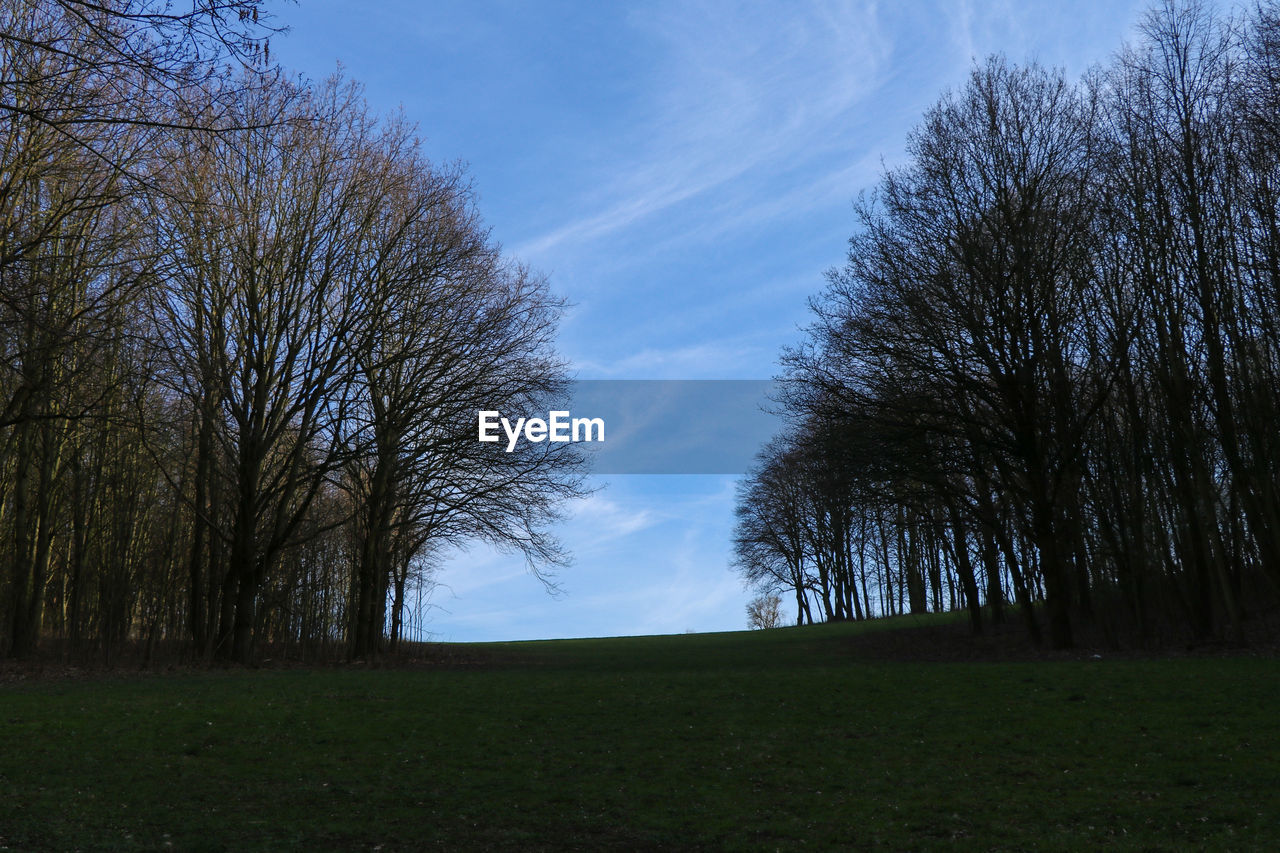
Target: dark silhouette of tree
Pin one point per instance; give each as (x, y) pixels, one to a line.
(1054, 343)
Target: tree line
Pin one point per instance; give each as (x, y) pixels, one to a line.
(1046, 383)
(245, 325)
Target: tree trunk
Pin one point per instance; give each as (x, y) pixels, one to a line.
(964, 567)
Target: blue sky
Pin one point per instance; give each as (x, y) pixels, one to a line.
(683, 173)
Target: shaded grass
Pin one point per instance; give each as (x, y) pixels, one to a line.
(776, 739)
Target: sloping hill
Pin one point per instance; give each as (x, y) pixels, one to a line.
(785, 739)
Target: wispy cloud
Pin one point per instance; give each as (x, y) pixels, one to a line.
(720, 359)
(730, 93)
(599, 519)
(651, 559)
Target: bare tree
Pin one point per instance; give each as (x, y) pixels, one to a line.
(1058, 319)
(71, 258)
(262, 313)
(141, 57)
(448, 329)
(769, 544)
(764, 611)
(967, 286)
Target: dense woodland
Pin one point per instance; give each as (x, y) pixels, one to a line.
(245, 324)
(1046, 385)
(244, 329)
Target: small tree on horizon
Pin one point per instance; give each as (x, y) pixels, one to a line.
(764, 611)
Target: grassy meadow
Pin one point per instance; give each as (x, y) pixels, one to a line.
(783, 739)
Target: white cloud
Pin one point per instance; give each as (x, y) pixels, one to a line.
(731, 93)
(599, 519)
(720, 359)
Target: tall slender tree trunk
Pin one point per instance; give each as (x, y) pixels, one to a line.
(964, 567)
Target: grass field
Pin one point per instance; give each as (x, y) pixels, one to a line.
(771, 740)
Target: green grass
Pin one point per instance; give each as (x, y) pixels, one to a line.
(771, 740)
